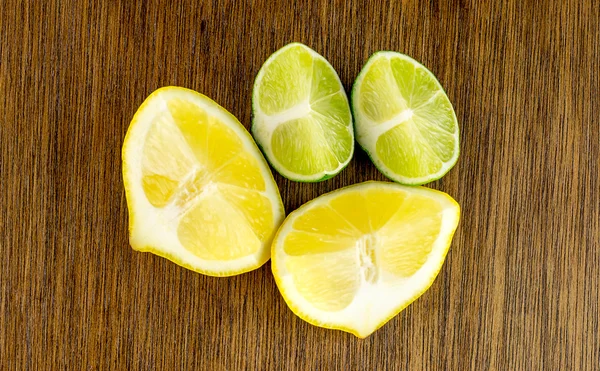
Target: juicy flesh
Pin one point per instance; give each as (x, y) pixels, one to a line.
(196, 165)
(419, 128)
(359, 238)
(302, 95)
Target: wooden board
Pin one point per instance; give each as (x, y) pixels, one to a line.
(520, 287)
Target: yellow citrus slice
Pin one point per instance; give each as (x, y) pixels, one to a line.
(354, 258)
(199, 191)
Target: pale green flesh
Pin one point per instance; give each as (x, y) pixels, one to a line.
(418, 136)
(313, 133)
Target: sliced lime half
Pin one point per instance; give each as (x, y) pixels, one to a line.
(301, 115)
(404, 119)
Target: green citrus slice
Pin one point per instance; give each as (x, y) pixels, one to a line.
(404, 119)
(301, 115)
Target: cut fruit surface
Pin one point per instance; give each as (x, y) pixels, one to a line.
(404, 120)
(301, 115)
(354, 258)
(199, 191)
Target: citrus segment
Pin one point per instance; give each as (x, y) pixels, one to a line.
(302, 243)
(334, 293)
(323, 219)
(287, 81)
(406, 153)
(224, 233)
(301, 144)
(255, 207)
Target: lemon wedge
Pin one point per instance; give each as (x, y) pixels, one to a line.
(354, 258)
(199, 191)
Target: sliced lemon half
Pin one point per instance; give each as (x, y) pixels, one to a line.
(199, 191)
(354, 258)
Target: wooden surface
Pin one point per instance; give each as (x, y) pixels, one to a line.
(520, 287)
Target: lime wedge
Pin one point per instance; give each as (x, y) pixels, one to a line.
(404, 120)
(301, 115)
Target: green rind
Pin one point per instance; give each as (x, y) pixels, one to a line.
(281, 170)
(388, 174)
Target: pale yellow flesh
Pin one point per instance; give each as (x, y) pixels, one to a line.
(362, 241)
(390, 231)
(205, 184)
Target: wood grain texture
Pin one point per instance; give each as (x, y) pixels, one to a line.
(520, 287)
